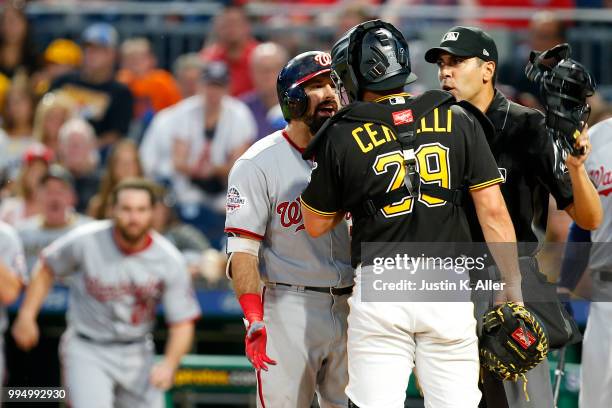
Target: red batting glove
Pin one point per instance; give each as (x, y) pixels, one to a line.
(255, 346)
(256, 337)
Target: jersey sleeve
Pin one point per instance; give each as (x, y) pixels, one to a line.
(548, 161)
(247, 205)
(62, 256)
(322, 195)
(11, 252)
(575, 257)
(481, 168)
(179, 299)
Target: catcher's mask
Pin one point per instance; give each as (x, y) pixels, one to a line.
(564, 85)
(289, 84)
(370, 56)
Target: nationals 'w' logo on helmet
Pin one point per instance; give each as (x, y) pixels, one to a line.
(323, 59)
(289, 84)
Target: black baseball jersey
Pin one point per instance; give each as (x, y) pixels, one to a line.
(356, 161)
(527, 160)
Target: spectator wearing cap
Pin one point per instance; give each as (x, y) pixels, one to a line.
(77, 152)
(25, 203)
(104, 102)
(57, 217)
(61, 57)
(153, 89)
(266, 62)
(193, 145)
(233, 44)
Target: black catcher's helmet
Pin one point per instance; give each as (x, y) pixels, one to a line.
(372, 55)
(291, 95)
(564, 85)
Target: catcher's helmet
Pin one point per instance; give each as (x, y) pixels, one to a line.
(565, 89)
(372, 55)
(291, 94)
(564, 85)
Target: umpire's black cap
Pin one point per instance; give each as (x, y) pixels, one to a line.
(465, 42)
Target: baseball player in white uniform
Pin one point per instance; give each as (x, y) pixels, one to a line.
(596, 371)
(12, 277)
(121, 270)
(296, 333)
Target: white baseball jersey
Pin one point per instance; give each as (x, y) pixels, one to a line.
(599, 167)
(11, 255)
(263, 196)
(35, 236)
(595, 379)
(114, 294)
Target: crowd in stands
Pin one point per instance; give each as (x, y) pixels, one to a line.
(79, 116)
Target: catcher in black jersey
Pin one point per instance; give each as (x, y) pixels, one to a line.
(402, 167)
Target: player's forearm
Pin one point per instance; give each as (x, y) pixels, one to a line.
(499, 234)
(38, 288)
(501, 240)
(586, 209)
(179, 342)
(245, 273)
(10, 287)
(317, 225)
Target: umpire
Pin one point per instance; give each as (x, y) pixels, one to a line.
(532, 169)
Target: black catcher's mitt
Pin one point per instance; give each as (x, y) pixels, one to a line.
(513, 341)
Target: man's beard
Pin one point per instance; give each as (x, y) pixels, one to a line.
(314, 122)
(132, 237)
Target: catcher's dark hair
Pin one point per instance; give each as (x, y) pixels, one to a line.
(136, 183)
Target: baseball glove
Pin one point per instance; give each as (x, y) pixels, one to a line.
(513, 342)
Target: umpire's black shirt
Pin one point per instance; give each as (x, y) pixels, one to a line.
(356, 161)
(527, 158)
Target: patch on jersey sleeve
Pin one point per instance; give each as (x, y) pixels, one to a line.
(402, 117)
(235, 201)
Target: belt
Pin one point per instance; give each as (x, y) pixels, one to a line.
(604, 276)
(110, 342)
(334, 291)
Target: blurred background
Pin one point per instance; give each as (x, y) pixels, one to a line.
(176, 91)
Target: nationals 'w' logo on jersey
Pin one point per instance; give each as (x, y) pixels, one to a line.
(602, 178)
(290, 214)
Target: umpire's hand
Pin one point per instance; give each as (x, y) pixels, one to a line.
(25, 332)
(583, 145)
